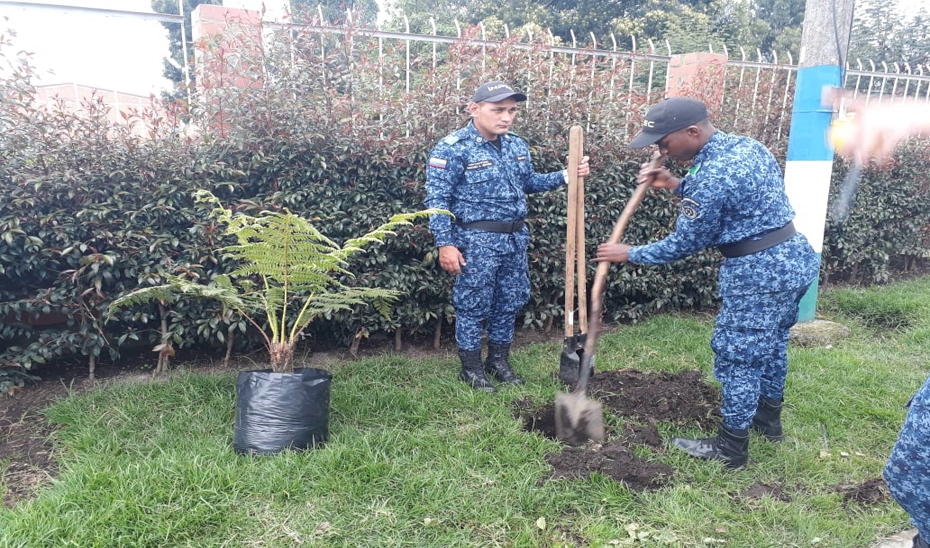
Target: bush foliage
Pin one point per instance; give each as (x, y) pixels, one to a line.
(92, 209)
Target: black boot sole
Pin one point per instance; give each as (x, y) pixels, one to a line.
(488, 387)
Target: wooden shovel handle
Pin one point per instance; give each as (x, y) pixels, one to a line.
(575, 138)
(600, 277)
(580, 246)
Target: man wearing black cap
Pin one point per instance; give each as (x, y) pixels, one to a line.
(482, 174)
(733, 198)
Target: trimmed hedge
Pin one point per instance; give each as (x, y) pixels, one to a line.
(90, 209)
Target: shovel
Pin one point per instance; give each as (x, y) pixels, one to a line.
(578, 419)
(570, 362)
(582, 278)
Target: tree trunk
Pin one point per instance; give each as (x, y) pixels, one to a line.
(230, 336)
(282, 357)
(163, 353)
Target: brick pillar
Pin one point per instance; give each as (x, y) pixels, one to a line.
(698, 75)
(227, 54)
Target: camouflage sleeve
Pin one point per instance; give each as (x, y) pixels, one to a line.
(698, 226)
(443, 172)
(540, 182)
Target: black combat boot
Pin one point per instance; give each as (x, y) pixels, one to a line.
(497, 365)
(768, 419)
(919, 542)
(730, 446)
(472, 372)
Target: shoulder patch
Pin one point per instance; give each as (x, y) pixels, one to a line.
(438, 163)
(690, 208)
(451, 140)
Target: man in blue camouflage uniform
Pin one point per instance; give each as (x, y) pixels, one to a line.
(482, 174)
(907, 471)
(877, 130)
(733, 197)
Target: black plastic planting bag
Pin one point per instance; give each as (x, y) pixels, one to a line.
(277, 411)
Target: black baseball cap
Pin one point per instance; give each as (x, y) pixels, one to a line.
(495, 91)
(668, 116)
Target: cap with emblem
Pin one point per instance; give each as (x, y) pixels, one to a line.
(669, 116)
(493, 92)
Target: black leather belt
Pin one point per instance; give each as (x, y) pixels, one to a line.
(494, 226)
(748, 247)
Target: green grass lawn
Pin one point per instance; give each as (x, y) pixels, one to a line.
(416, 458)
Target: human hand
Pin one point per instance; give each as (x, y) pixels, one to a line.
(451, 259)
(872, 131)
(614, 253)
(656, 175)
(583, 169)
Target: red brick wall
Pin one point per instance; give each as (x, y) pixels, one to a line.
(698, 75)
(71, 96)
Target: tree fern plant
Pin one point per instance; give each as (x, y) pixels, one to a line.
(289, 273)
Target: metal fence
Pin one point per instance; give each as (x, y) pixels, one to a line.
(757, 90)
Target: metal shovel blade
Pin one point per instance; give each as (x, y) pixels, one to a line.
(578, 419)
(570, 362)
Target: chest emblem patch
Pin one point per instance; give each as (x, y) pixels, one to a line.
(690, 208)
(479, 165)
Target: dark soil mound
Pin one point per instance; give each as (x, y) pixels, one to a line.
(640, 400)
(612, 460)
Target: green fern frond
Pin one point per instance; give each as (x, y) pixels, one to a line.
(177, 287)
(378, 235)
(345, 300)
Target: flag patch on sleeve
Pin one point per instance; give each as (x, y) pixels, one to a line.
(438, 163)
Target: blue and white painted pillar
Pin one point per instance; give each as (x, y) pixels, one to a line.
(810, 162)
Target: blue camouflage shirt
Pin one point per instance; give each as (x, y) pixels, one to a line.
(735, 191)
(474, 180)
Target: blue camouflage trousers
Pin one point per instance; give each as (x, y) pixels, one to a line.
(750, 345)
(907, 472)
(491, 289)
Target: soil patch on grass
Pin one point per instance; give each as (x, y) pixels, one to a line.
(27, 459)
(25, 449)
(867, 493)
(641, 401)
